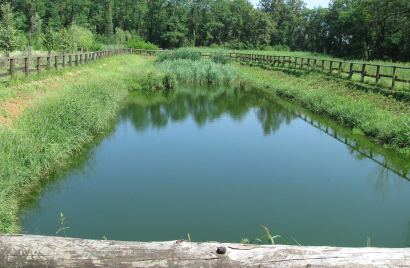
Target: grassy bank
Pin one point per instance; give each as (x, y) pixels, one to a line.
(386, 66)
(381, 118)
(62, 119)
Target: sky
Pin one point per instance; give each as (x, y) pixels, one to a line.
(310, 3)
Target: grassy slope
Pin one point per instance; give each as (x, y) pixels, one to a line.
(384, 119)
(63, 119)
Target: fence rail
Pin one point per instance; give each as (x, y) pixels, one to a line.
(365, 72)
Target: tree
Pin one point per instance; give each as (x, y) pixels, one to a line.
(50, 41)
(82, 38)
(8, 38)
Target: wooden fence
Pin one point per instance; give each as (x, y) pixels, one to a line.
(378, 74)
(37, 64)
(365, 72)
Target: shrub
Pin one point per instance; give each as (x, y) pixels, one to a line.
(82, 38)
(141, 44)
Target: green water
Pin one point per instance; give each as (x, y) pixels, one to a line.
(218, 164)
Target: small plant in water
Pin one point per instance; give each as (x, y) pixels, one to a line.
(368, 242)
(63, 227)
(268, 236)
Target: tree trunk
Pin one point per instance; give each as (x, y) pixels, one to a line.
(40, 251)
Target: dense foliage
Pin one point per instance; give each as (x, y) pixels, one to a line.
(348, 28)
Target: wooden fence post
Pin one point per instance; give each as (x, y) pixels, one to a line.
(11, 67)
(38, 65)
(48, 62)
(323, 65)
(81, 58)
(393, 79)
(63, 63)
(363, 73)
(301, 63)
(26, 66)
(377, 74)
(340, 69)
(331, 67)
(76, 60)
(56, 62)
(70, 60)
(351, 70)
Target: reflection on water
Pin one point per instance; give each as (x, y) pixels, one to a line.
(218, 163)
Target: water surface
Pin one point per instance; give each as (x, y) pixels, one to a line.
(218, 164)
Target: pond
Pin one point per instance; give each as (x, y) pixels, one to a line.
(217, 164)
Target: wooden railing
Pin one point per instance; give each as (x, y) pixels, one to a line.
(378, 74)
(26, 65)
(345, 69)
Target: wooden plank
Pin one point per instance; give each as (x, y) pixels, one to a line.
(40, 251)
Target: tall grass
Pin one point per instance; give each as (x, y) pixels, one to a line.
(179, 54)
(188, 66)
(203, 71)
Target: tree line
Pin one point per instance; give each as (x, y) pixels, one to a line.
(369, 29)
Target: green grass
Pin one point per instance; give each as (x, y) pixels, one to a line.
(381, 118)
(58, 126)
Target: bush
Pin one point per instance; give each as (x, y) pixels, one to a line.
(141, 44)
(82, 38)
(179, 54)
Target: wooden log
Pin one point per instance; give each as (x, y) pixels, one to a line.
(40, 251)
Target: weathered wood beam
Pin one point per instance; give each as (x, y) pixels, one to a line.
(40, 251)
